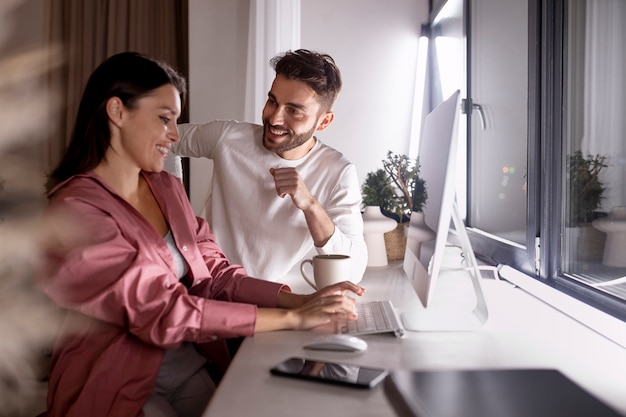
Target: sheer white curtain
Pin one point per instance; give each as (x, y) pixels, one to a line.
(605, 94)
(274, 28)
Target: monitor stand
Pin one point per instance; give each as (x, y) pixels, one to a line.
(456, 305)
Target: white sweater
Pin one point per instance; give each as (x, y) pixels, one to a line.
(256, 228)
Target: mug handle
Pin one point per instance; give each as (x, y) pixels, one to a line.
(306, 278)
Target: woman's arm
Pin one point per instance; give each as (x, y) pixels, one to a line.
(287, 299)
(123, 277)
(315, 313)
(301, 312)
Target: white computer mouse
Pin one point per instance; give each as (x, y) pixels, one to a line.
(339, 342)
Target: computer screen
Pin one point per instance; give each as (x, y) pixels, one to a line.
(423, 260)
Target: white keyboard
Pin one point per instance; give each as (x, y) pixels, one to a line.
(374, 317)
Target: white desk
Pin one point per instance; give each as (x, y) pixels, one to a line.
(522, 332)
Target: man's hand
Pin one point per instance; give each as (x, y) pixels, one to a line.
(288, 182)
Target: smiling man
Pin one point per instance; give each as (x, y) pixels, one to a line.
(277, 190)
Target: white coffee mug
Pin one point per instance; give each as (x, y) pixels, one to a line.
(327, 270)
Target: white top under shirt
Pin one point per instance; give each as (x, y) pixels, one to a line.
(256, 228)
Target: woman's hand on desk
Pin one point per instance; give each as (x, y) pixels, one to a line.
(326, 309)
(305, 312)
(288, 299)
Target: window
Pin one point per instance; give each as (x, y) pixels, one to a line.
(546, 152)
(593, 153)
(576, 89)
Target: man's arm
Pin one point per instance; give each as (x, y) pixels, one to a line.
(341, 230)
(198, 140)
(288, 182)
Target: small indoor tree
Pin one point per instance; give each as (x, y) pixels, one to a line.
(410, 188)
(397, 188)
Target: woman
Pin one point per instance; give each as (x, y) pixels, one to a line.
(143, 280)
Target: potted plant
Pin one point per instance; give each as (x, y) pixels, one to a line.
(586, 192)
(378, 194)
(398, 190)
(586, 189)
(378, 191)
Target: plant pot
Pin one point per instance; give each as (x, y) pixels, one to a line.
(395, 242)
(375, 225)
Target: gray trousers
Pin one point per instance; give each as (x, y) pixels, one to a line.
(183, 387)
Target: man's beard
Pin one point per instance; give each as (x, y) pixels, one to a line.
(292, 140)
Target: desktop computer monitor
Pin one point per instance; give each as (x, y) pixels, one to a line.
(423, 260)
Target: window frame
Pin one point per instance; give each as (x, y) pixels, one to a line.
(541, 258)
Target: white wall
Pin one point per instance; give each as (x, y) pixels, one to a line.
(374, 43)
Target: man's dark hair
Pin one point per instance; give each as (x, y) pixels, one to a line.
(319, 71)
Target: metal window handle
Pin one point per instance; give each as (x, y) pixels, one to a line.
(465, 103)
(481, 114)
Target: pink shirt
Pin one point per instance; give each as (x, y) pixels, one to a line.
(116, 277)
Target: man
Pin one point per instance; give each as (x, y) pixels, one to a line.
(278, 191)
